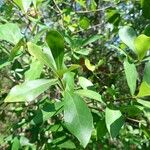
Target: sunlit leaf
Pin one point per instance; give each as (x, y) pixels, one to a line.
(131, 75)
(10, 32)
(142, 44)
(114, 121)
(78, 118)
(29, 90)
(128, 36)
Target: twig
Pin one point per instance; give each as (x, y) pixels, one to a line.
(57, 7)
(97, 25)
(90, 11)
(137, 121)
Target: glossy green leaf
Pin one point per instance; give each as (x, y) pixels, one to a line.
(128, 36)
(78, 118)
(145, 8)
(144, 90)
(131, 75)
(10, 32)
(35, 70)
(144, 103)
(55, 42)
(43, 56)
(142, 44)
(146, 77)
(114, 121)
(84, 83)
(29, 90)
(46, 112)
(89, 94)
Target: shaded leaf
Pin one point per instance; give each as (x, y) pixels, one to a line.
(91, 39)
(46, 112)
(145, 8)
(55, 42)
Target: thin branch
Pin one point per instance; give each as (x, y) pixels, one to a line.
(57, 7)
(94, 26)
(91, 11)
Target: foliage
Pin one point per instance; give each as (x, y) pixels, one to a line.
(75, 74)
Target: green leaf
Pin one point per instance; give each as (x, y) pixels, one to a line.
(145, 8)
(91, 39)
(78, 117)
(69, 81)
(55, 42)
(128, 36)
(16, 49)
(46, 112)
(89, 65)
(93, 5)
(10, 32)
(37, 2)
(67, 144)
(114, 121)
(83, 51)
(131, 75)
(89, 94)
(101, 129)
(144, 90)
(35, 70)
(23, 4)
(142, 44)
(29, 90)
(84, 83)
(16, 144)
(146, 77)
(84, 23)
(144, 103)
(113, 16)
(43, 56)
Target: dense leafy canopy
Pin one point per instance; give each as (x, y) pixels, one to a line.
(74, 74)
